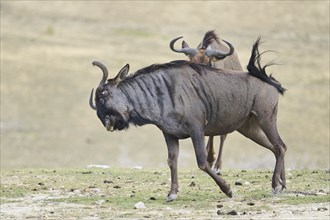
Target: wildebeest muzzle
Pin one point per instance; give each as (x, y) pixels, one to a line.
(109, 123)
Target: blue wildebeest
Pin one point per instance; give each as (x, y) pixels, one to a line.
(184, 99)
(211, 52)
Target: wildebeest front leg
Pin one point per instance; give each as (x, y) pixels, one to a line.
(197, 136)
(173, 153)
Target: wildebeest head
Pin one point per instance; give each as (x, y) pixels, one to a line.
(110, 104)
(204, 53)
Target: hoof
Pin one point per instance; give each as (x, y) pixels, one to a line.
(171, 197)
(277, 190)
(229, 193)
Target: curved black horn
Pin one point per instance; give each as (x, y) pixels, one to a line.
(218, 54)
(104, 70)
(92, 105)
(187, 51)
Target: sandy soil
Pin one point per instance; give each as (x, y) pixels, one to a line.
(40, 206)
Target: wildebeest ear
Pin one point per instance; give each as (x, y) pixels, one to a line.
(122, 74)
(185, 45)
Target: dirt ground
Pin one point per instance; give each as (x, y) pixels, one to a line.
(38, 207)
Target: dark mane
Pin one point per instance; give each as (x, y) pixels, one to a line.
(209, 37)
(199, 68)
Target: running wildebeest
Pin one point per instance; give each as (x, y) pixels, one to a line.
(211, 52)
(185, 99)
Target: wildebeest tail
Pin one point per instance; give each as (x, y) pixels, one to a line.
(255, 69)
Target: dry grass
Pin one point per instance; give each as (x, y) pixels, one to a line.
(46, 76)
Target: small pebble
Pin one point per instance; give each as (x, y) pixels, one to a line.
(322, 209)
(233, 212)
(107, 181)
(241, 182)
(95, 190)
(100, 202)
(192, 184)
(139, 205)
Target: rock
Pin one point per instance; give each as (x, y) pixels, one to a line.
(192, 184)
(232, 212)
(95, 190)
(219, 212)
(107, 181)
(241, 182)
(250, 203)
(238, 183)
(321, 209)
(100, 202)
(219, 206)
(139, 205)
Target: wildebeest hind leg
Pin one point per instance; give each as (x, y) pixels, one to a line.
(197, 136)
(210, 151)
(173, 153)
(263, 131)
(252, 130)
(218, 163)
(279, 181)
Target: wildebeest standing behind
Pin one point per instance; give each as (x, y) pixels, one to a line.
(184, 99)
(211, 52)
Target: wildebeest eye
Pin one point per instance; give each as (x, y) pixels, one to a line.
(104, 93)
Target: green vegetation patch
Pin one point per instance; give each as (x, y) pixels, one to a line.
(119, 189)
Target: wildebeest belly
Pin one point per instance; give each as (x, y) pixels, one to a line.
(222, 127)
